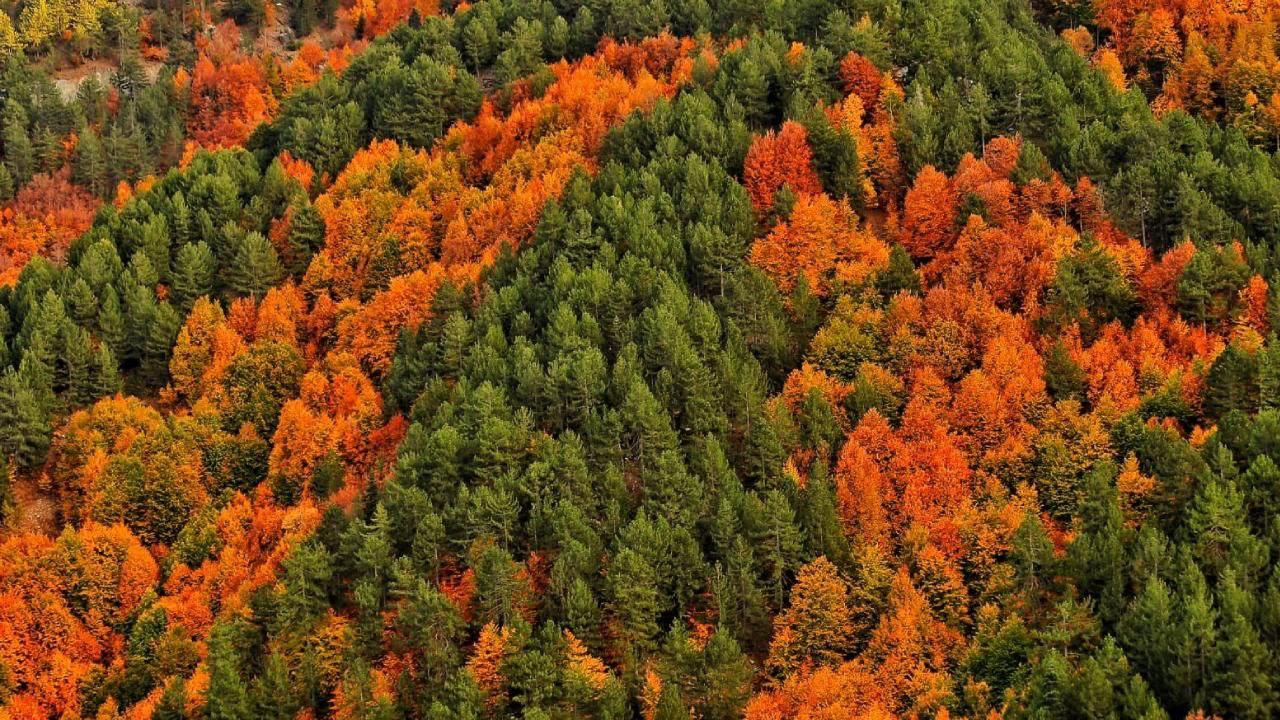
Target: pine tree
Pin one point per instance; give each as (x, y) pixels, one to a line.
(111, 325)
(819, 520)
(173, 702)
(1269, 375)
(25, 431)
(307, 572)
(430, 629)
(634, 601)
(1241, 686)
(48, 150)
(19, 156)
(670, 704)
(160, 337)
(155, 243)
(779, 544)
(724, 680)
(1194, 637)
(1219, 531)
(1144, 633)
(306, 237)
(193, 274)
(1233, 382)
(254, 267)
(89, 164)
(182, 223)
(273, 697)
(77, 356)
(106, 378)
(7, 188)
(226, 698)
(139, 309)
(1098, 555)
(82, 303)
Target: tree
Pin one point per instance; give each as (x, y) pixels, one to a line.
(227, 698)
(254, 267)
(634, 602)
(272, 693)
(1144, 633)
(193, 274)
(89, 164)
(1233, 382)
(306, 237)
(173, 702)
(19, 157)
(1240, 687)
(862, 78)
(25, 432)
(777, 160)
(257, 383)
(106, 373)
(821, 243)
(815, 628)
(929, 214)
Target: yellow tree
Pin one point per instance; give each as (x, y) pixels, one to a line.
(815, 628)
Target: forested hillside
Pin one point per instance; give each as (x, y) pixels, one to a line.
(684, 359)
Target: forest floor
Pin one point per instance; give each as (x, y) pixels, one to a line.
(34, 510)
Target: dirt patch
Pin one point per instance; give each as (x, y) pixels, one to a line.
(34, 511)
(68, 80)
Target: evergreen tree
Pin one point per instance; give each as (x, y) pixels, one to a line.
(1233, 382)
(89, 163)
(173, 702)
(193, 274)
(25, 432)
(306, 237)
(254, 267)
(111, 324)
(19, 156)
(106, 378)
(226, 698)
(272, 693)
(7, 185)
(634, 600)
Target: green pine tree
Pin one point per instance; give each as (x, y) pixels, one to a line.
(254, 267)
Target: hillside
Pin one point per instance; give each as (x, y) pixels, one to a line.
(693, 359)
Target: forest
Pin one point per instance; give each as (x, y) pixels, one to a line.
(639, 359)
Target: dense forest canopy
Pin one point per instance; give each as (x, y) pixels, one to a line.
(545, 359)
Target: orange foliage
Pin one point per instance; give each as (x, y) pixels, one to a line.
(822, 242)
(48, 213)
(815, 629)
(780, 159)
(445, 227)
(376, 18)
(486, 657)
(1202, 56)
(205, 347)
(861, 78)
(60, 602)
(1253, 298)
(229, 92)
(847, 692)
(928, 217)
(912, 651)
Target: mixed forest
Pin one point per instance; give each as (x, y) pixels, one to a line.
(639, 359)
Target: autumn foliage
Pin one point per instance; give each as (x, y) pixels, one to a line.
(673, 378)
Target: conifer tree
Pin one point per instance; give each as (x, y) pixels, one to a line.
(254, 267)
